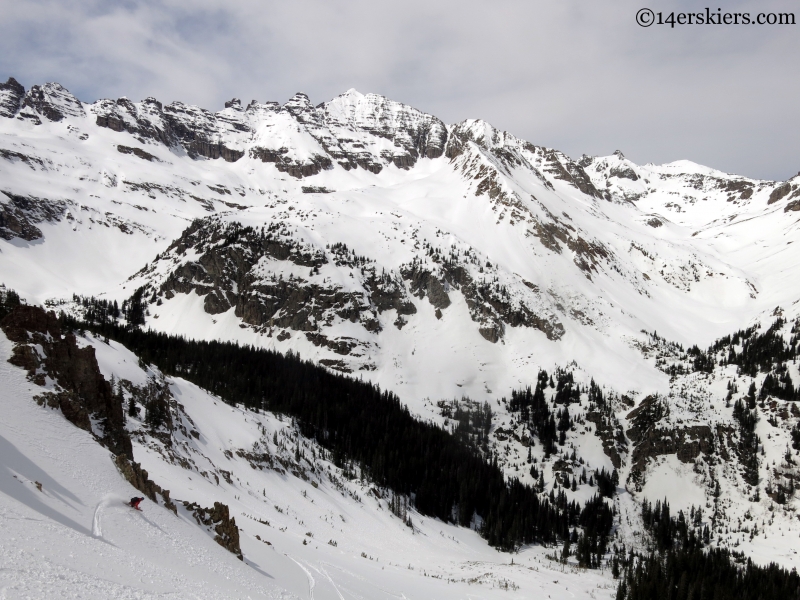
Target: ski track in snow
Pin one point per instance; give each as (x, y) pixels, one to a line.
(97, 520)
(333, 584)
(311, 581)
(97, 530)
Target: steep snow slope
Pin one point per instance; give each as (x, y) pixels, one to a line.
(530, 258)
(75, 536)
(307, 529)
(437, 261)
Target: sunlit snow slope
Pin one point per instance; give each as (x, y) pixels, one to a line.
(306, 529)
(439, 261)
(436, 260)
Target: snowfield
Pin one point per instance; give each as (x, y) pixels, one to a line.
(75, 537)
(440, 262)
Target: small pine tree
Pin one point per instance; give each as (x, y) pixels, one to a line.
(133, 409)
(751, 396)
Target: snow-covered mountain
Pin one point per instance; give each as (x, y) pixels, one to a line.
(438, 261)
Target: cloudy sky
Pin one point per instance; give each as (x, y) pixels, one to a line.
(580, 76)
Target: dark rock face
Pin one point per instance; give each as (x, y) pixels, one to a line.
(53, 102)
(45, 351)
(786, 191)
(779, 193)
(624, 173)
(413, 134)
(218, 521)
(145, 121)
(33, 162)
(424, 283)
(568, 170)
(293, 167)
(737, 189)
(497, 153)
(20, 214)
(348, 129)
(197, 130)
(137, 152)
(491, 308)
(342, 345)
(11, 95)
(387, 294)
(138, 478)
(212, 150)
(556, 234)
(82, 389)
(610, 433)
(650, 439)
(200, 131)
(226, 274)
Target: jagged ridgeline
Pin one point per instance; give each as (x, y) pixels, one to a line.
(232, 266)
(359, 423)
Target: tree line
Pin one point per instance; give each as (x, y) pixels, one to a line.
(690, 573)
(356, 421)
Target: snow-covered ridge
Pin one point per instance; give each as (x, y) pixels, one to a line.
(439, 261)
(354, 130)
(488, 239)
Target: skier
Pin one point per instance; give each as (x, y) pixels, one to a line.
(134, 503)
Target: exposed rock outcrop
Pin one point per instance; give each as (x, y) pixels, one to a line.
(231, 271)
(794, 205)
(414, 134)
(11, 95)
(217, 520)
(81, 392)
(145, 120)
(654, 437)
(144, 155)
(571, 172)
(86, 399)
(779, 193)
(292, 166)
(138, 478)
(53, 102)
(490, 306)
(608, 429)
(20, 214)
(424, 283)
(349, 130)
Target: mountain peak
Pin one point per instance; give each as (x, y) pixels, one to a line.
(53, 101)
(11, 94)
(234, 103)
(298, 103)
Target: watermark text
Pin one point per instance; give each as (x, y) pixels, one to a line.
(646, 17)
